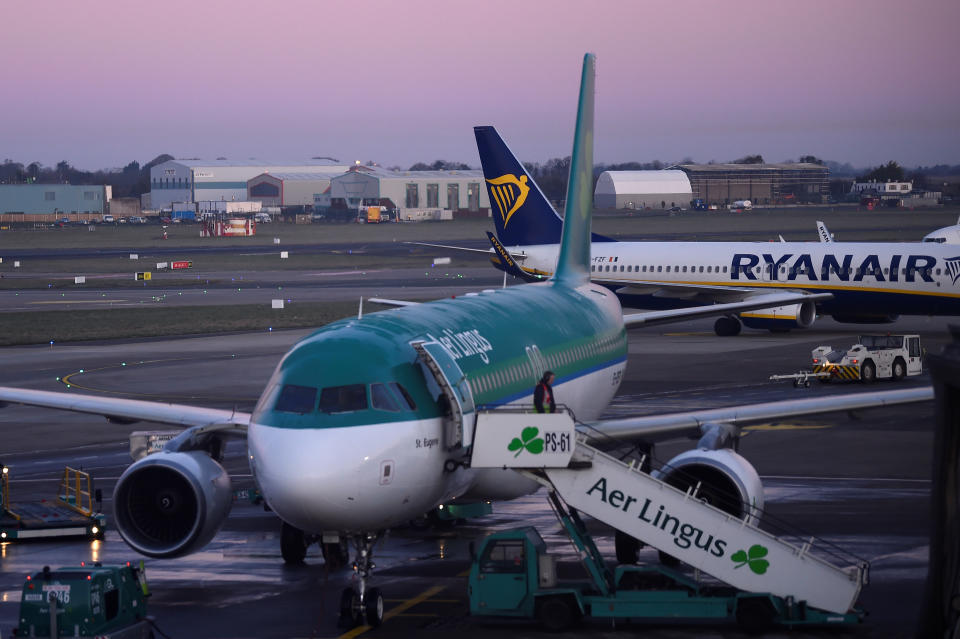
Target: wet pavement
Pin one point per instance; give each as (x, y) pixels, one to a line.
(861, 484)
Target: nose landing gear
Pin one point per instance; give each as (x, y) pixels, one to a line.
(362, 604)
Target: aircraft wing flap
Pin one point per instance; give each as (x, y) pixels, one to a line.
(760, 300)
(654, 428)
(124, 410)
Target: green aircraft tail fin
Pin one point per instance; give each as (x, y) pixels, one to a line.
(573, 263)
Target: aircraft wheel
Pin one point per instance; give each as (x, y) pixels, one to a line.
(868, 372)
(373, 606)
(349, 608)
(899, 369)
(293, 544)
(755, 615)
(556, 613)
(627, 548)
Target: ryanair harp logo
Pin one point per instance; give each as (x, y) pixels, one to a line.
(509, 194)
(953, 267)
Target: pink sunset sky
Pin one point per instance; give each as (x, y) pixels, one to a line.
(101, 83)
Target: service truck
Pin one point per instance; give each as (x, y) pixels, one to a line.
(872, 357)
(513, 575)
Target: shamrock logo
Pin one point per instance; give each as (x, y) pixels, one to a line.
(530, 441)
(753, 558)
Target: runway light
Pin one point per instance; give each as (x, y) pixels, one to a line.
(94, 530)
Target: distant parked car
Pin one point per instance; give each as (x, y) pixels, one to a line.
(63, 221)
(108, 219)
(136, 219)
(122, 220)
(165, 220)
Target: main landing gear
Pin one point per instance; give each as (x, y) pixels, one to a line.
(362, 604)
(294, 543)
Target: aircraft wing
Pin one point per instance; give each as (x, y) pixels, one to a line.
(128, 410)
(516, 256)
(653, 428)
(387, 302)
(756, 300)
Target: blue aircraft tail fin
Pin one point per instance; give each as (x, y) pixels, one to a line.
(573, 263)
(521, 213)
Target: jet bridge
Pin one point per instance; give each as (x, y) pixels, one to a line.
(617, 493)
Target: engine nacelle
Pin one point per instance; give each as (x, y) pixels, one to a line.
(865, 319)
(727, 480)
(781, 318)
(171, 504)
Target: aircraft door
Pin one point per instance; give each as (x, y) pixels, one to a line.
(440, 366)
(913, 355)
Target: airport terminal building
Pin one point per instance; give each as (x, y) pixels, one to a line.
(642, 189)
(226, 180)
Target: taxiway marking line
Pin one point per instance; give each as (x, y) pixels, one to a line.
(393, 612)
(110, 301)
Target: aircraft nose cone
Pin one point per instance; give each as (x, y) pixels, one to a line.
(307, 478)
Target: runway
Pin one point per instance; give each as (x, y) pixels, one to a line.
(860, 483)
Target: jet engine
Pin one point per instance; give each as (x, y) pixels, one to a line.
(781, 318)
(727, 480)
(171, 503)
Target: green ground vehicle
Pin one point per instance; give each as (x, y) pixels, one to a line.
(512, 575)
(85, 601)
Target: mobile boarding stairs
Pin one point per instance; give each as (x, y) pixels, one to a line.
(730, 549)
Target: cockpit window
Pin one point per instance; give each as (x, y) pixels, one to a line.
(402, 392)
(296, 399)
(383, 399)
(342, 399)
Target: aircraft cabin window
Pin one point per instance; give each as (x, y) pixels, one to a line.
(701, 269)
(402, 392)
(724, 269)
(668, 269)
(684, 269)
(938, 271)
(621, 268)
(296, 399)
(381, 399)
(659, 269)
(343, 399)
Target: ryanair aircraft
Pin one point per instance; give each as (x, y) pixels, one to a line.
(867, 283)
(367, 423)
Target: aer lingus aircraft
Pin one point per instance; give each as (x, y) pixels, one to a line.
(366, 423)
(866, 282)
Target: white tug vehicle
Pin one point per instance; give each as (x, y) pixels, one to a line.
(872, 357)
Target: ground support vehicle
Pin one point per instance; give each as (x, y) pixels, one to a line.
(71, 514)
(801, 378)
(767, 580)
(85, 601)
(513, 575)
(872, 357)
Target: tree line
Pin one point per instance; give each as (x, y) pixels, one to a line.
(134, 179)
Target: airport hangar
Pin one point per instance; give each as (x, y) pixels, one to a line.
(412, 193)
(642, 190)
(53, 199)
(193, 181)
(714, 184)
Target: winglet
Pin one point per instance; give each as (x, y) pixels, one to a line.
(573, 264)
(506, 262)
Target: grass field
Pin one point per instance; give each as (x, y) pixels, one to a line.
(851, 224)
(70, 326)
(345, 247)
